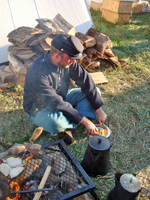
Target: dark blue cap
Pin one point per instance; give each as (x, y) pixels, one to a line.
(68, 44)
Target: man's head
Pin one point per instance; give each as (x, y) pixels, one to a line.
(68, 44)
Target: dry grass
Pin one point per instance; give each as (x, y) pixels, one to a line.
(126, 101)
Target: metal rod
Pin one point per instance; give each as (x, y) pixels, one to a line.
(34, 190)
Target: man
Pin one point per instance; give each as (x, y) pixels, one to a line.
(47, 99)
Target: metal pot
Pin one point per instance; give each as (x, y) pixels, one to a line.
(127, 187)
(96, 158)
(4, 188)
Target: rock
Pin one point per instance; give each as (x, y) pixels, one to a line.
(16, 149)
(4, 154)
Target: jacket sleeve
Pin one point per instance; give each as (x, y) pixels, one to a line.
(83, 79)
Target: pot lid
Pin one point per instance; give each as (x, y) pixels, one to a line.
(130, 183)
(100, 143)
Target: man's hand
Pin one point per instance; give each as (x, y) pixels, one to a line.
(91, 128)
(101, 115)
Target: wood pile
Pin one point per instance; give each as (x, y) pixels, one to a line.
(97, 51)
(29, 43)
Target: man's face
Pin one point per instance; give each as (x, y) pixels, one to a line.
(65, 61)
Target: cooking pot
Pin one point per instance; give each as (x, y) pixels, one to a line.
(4, 188)
(127, 187)
(96, 158)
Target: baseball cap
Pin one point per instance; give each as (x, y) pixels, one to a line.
(68, 44)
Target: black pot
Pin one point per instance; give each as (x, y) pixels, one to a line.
(96, 158)
(127, 187)
(4, 189)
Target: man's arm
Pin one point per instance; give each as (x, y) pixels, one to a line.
(101, 115)
(91, 128)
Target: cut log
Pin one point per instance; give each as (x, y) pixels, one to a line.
(25, 56)
(123, 63)
(114, 60)
(94, 65)
(109, 52)
(87, 41)
(64, 25)
(44, 45)
(17, 49)
(86, 59)
(38, 49)
(48, 25)
(91, 50)
(15, 63)
(23, 33)
(48, 41)
(23, 70)
(6, 77)
(101, 39)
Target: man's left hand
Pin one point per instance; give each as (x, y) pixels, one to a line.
(101, 115)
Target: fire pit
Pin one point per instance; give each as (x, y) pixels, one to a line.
(66, 180)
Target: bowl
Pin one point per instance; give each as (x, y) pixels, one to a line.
(103, 130)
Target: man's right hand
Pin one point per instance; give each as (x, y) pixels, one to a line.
(91, 128)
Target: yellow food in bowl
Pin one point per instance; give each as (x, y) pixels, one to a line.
(102, 132)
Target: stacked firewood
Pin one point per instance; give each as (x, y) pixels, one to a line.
(29, 43)
(97, 51)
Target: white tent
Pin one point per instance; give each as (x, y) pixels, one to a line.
(17, 13)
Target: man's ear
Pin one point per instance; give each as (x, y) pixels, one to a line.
(57, 57)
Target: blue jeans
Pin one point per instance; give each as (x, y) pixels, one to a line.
(55, 122)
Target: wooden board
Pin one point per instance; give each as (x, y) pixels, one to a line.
(98, 77)
(96, 5)
(117, 6)
(137, 7)
(115, 17)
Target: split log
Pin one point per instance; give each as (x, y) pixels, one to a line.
(23, 34)
(45, 46)
(48, 40)
(25, 56)
(94, 64)
(101, 39)
(91, 50)
(6, 77)
(64, 25)
(109, 52)
(115, 61)
(87, 41)
(16, 63)
(48, 25)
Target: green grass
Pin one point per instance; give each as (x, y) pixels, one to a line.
(126, 101)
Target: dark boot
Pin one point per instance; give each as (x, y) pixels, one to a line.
(67, 136)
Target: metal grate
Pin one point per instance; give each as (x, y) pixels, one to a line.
(66, 180)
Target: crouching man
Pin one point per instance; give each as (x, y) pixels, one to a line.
(47, 99)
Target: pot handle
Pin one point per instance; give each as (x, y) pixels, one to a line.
(145, 191)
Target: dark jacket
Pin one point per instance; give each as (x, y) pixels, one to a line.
(46, 85)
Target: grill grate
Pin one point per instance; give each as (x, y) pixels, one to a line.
(66, 180)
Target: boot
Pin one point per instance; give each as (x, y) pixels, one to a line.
(67, 136)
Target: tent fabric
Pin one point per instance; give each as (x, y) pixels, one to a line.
(17, 13)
